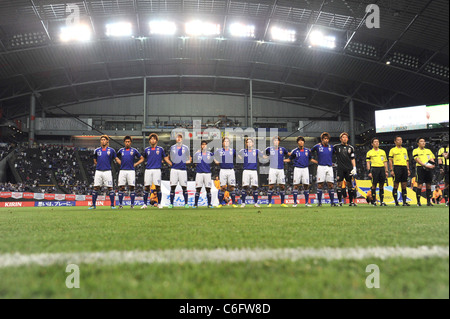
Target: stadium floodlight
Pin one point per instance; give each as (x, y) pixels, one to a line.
(162, 27)
(318, 39)
(242, 30)
(200, 28)
(285, 35)
(119, 29)
(80, 32)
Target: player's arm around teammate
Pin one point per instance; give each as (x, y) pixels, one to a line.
(277, 177)
(203, 160)
(225, 158)
(301, 158)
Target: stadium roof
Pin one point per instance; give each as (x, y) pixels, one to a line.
(413, 37)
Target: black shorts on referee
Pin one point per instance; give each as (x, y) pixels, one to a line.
(424, 175)
(401, 174)
(379, 175)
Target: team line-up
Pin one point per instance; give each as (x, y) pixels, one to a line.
(179, 156)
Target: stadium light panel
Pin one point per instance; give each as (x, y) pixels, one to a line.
(318, 39)
(285, 35)
(119, 29)
(81, 33)
(242, 30)
(162, 27)
(199, 28)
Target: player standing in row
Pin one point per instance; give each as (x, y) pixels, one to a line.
(378, 168)
(325, 172)
(127, 175)
(154, 156)
(424, 165)
(346, 167)
(277, 156)
(203, 158)
(301, 157)
(225, 158)
(399, 163)
(250, 173)
(103, 156)
(179, 156)
(444, 169)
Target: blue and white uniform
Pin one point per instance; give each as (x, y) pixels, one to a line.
(179, 155)
(301, 159)
(203, 176)
(325, 172)
(103, 172)
(276, 171)
(154, 157)
(127, 175)
(226, 158)
(250, 173)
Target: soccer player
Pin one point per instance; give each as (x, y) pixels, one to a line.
(127, 173)
(179, 156)
(325, 172)
(103, 156)
(154, 156)
(399, 164)
(301, 157)
(444, 169)
(225, 158)
(276, 171)
(424, 165)
(378, 168)
(203, 158)
(250, 173)
(346, 167)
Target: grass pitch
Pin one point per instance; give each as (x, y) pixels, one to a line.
(69, 230)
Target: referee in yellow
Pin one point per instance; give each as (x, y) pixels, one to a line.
(378, 168)
(399, 163)
(424, 169)
(444, 169)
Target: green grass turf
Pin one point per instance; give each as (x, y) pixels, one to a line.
(52, 230)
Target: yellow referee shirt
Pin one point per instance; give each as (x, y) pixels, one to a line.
(424, 155)
(441, 155)
(399, 155)
(376, 158)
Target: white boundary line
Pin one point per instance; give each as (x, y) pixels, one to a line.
(220, 255)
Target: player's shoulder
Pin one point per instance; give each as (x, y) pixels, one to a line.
(97, 149)
(122, 149)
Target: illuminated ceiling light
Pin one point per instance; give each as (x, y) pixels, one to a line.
(317, 38)
(242, 30)
(199, 28)
(79, 32)
(162, 27)
(285, 35)
(119, 29)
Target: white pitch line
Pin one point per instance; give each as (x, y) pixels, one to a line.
(220, 255)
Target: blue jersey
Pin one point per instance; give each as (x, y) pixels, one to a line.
(276, 156)
(203, 161)
(127, 157)
(104, 156)
(179, 155)
(250, 158)
(226, 158)
(324, 154)
(154, 157)
(300, 157)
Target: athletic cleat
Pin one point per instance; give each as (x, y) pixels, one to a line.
(113, 207)
(210, 206)
(120, 207)
(220, 206)
(132, 207)
(284, 205)
(195, 206)
(235, 206)
(308, 205)
(92, 207)
(144, 206)
(430, 205)
(406, 204)
(374, 204)
(319, 205)
(333, 205)
(383, 204)
(160, 206)
(170, 206)
(257, 205)
(397, 204)
(418, 204)
(446, 204)
(186, 206)
(295, 205)
(269, 205)
(243, 206)
(341, 205)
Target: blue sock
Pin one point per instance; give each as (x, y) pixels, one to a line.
(146, 194)
(159, 194)
(208, 196)
(186, 197)
(172, 197)
(306, 193)
(283, 195)
(133, 197)
(243, 196)
(331, 193)
(221, 195)
(121, 195)
(94, 198)
(295, 193)
(270, 194)
(197, 196)
(255, 197)
(319, 195)
(112, 197)
(233, 197)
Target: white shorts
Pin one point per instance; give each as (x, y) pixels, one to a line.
(127, 178)
(301, 176)
(325, 174)
(250, 178)
(276, 176)
(203, 179)
(178, 176)
(103, 178)
(227, 177)
(152, 176)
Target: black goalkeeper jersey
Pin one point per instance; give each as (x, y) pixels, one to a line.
(344, 156)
